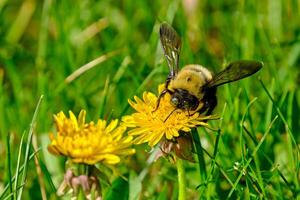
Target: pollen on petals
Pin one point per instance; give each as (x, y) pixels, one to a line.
(150, 126)
(89, 143)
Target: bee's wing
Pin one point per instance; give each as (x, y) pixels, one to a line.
(235, 71)
(171, 44)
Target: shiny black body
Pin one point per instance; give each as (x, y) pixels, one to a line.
(209, 100)
(189, 102)
(185, 99)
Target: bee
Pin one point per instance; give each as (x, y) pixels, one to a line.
(195, 86)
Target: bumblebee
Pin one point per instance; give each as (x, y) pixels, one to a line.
(194, 87)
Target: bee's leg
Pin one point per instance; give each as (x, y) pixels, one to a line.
(168, 80)
(166, 90)
(189, 112)
(204, 107)
(170, 114)
(159, 98)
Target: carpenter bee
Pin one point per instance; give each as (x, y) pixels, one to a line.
(195, 85)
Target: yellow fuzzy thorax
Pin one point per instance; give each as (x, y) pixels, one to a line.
(191, 78)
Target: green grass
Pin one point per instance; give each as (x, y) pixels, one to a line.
(254, 154)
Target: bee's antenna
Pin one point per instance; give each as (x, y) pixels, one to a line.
(170, 114)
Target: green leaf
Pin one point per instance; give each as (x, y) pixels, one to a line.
(135, 186)
(118, 190)
(163, 194)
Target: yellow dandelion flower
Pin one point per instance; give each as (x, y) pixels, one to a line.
(151, 127)
(89, 143)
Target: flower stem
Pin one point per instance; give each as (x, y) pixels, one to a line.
(80, 195)
(181, 179)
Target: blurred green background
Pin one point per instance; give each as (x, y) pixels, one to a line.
(42, 43)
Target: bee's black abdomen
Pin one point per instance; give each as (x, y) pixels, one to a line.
(210, 101)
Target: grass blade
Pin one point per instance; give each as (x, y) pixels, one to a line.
(251, 158)
(292, 141)
(220, 168)
(23, 19)
(9, 162)
(200, 155)
(47, 175)
(13, 178)
(280, 115)
(18, 165)
(213, 161)
(81, 70)
(28, 145)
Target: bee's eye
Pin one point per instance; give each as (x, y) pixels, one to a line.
(175, 101)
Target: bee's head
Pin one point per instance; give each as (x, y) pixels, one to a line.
(182, 99)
